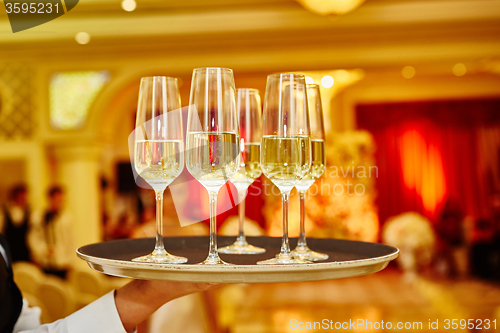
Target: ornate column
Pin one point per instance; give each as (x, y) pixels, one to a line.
(79, 172)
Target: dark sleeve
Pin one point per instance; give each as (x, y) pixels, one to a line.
(11, 300)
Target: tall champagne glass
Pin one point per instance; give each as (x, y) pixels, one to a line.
(159, 148)
(249, 110)
(318, 166)
(212, 147)
(285, 145)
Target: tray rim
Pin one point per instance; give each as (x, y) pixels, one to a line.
(193, 268)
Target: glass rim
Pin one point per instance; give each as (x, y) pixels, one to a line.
(287, 135)
(159, 76)
(277, 75)
(312, 85)
(205, 132)
(248, 89)
(223, 69)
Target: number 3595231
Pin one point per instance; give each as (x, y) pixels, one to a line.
(33, 7)
(470, 324)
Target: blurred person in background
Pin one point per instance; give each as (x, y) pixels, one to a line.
(51, 237)
(122, 218)
(496, 246)
(495, 205)
(483, 254)
(146, 205)
(451, 240)
(104, 199)
(15, 222)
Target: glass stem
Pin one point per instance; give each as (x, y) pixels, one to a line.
(159, 247)
(212, 253)
(285, 246)
(241, 213)
(302, 237)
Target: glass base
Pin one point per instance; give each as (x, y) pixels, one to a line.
(303, 252)
(161, 257)
(213, 260)
(241, 246)
(283, 259)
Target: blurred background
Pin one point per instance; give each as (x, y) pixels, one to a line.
(411, 96)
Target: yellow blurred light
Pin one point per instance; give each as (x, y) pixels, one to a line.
(459, 69)
(331, 7)
(309, 80)
(327, 81)
(342, 76)
(408, 72)
(82, 38)
(129, 5)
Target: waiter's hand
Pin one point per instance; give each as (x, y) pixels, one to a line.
(140, 298)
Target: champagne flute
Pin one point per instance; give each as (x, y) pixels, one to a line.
(249, 108)
(212, 154)
(286, 145)
(318, 166)
(159, 149)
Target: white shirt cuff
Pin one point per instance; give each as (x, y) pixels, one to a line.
(99, 316)
(29, 319)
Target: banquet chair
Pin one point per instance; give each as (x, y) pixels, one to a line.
(86, 281)
(58, 297)
(27, 277)
(88, 286)
(34, 301)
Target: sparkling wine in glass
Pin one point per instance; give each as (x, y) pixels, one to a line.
(318, 166)
(212, 146)
(249, 109)
(159, 149)
(285, 145)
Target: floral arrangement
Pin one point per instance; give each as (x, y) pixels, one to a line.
(341, 202)
(413, 235)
